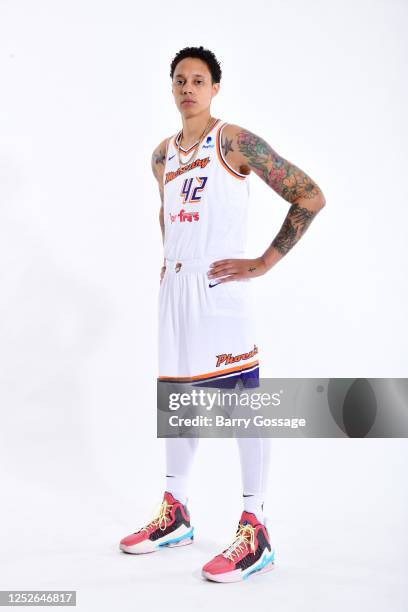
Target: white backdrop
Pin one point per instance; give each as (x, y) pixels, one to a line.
(86, 96)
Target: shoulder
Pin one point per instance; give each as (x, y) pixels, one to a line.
(232, 137)
(237, 134)
(250, 148)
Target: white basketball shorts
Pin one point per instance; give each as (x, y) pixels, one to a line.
(206, 334)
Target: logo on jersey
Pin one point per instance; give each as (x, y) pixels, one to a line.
(225, 359)
(171, 157)
(197, 163)
(184, 215)
(207, 144)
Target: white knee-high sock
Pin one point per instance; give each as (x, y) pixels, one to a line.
(180, 454)
(255, 460)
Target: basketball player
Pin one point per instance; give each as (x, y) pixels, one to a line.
(206, 324)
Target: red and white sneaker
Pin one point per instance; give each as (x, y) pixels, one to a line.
(249, 553)
(171, 527)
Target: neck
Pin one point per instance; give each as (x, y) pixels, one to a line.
(193, 127)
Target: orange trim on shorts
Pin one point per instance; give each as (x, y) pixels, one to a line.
(211, 374)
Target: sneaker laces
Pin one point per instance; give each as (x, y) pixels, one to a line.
(245, 536)
(161, 518)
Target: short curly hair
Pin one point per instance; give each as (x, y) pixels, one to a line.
(205, 55)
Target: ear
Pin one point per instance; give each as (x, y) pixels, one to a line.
(215, 88)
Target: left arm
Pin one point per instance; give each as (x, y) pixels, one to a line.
(247, 151)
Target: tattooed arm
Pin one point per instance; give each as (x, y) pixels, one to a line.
(158, 162)
(246, 151)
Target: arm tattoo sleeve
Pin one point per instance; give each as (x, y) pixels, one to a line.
(296, 223)
(284, 177)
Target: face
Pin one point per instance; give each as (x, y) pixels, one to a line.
(191, 86)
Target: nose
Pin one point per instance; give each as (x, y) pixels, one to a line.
(187, 88)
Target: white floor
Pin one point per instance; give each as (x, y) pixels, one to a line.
(339, 527)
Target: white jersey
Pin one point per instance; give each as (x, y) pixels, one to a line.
(205, 203)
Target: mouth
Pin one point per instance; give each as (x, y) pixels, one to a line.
(188, 102)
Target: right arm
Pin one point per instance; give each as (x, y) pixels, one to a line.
(158, 161)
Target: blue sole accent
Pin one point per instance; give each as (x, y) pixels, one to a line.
(260, 566)
(183, 537)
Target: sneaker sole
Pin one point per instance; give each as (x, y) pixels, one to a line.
(237, 575)
(176, 544)
(148, 546)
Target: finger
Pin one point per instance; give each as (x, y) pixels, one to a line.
(222, 269)
(220, 262)
(222, 273)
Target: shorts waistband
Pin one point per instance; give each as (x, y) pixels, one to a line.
(187, 265)
(194, 265)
